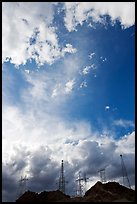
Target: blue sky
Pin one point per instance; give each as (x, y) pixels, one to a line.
(68, 84)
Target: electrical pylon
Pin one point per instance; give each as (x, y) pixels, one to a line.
(79, 190)
(62, 181)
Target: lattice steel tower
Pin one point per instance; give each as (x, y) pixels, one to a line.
(79, 186)
(62, 179)
(124, 173)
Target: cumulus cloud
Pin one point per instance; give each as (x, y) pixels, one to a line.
(76, 13)
(27, 33)
(40, 41)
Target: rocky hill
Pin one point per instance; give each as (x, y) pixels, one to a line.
(108, 192)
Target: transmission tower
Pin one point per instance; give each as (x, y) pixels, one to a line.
(79, 189)
(102, 175)
(124, 172)
(62, 179)
(22, 185)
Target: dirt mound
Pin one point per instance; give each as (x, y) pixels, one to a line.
(52, 196)
(109, 192)
(28, 196)
(44, 196)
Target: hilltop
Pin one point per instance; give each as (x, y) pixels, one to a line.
(107, 192)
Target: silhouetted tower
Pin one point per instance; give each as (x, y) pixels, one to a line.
(124, 173)
(62, 179)
(22, 185)
(102, 175)
(79, 189)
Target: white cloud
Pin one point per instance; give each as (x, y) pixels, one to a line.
(37, 24)
(107, 107)
(126, 145)
(87, 69)
(83, 84)
(91, 55)
(52, 87)
(62, 89)
(27, 33)
(40, 89)
(78, 12)
(27, 71)
(37, 128)
(23, 23)
(69, 86)
(56, 90)
(124, 123)
(69, 48)
(70, 66)
(42, 102)
(104, 59)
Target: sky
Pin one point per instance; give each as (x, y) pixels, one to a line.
(68, 93)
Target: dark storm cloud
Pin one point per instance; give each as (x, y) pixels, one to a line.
(43, 170)
(19, 159)
(9, 185)
(11, 173)
(96, 157)
(115, 168)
